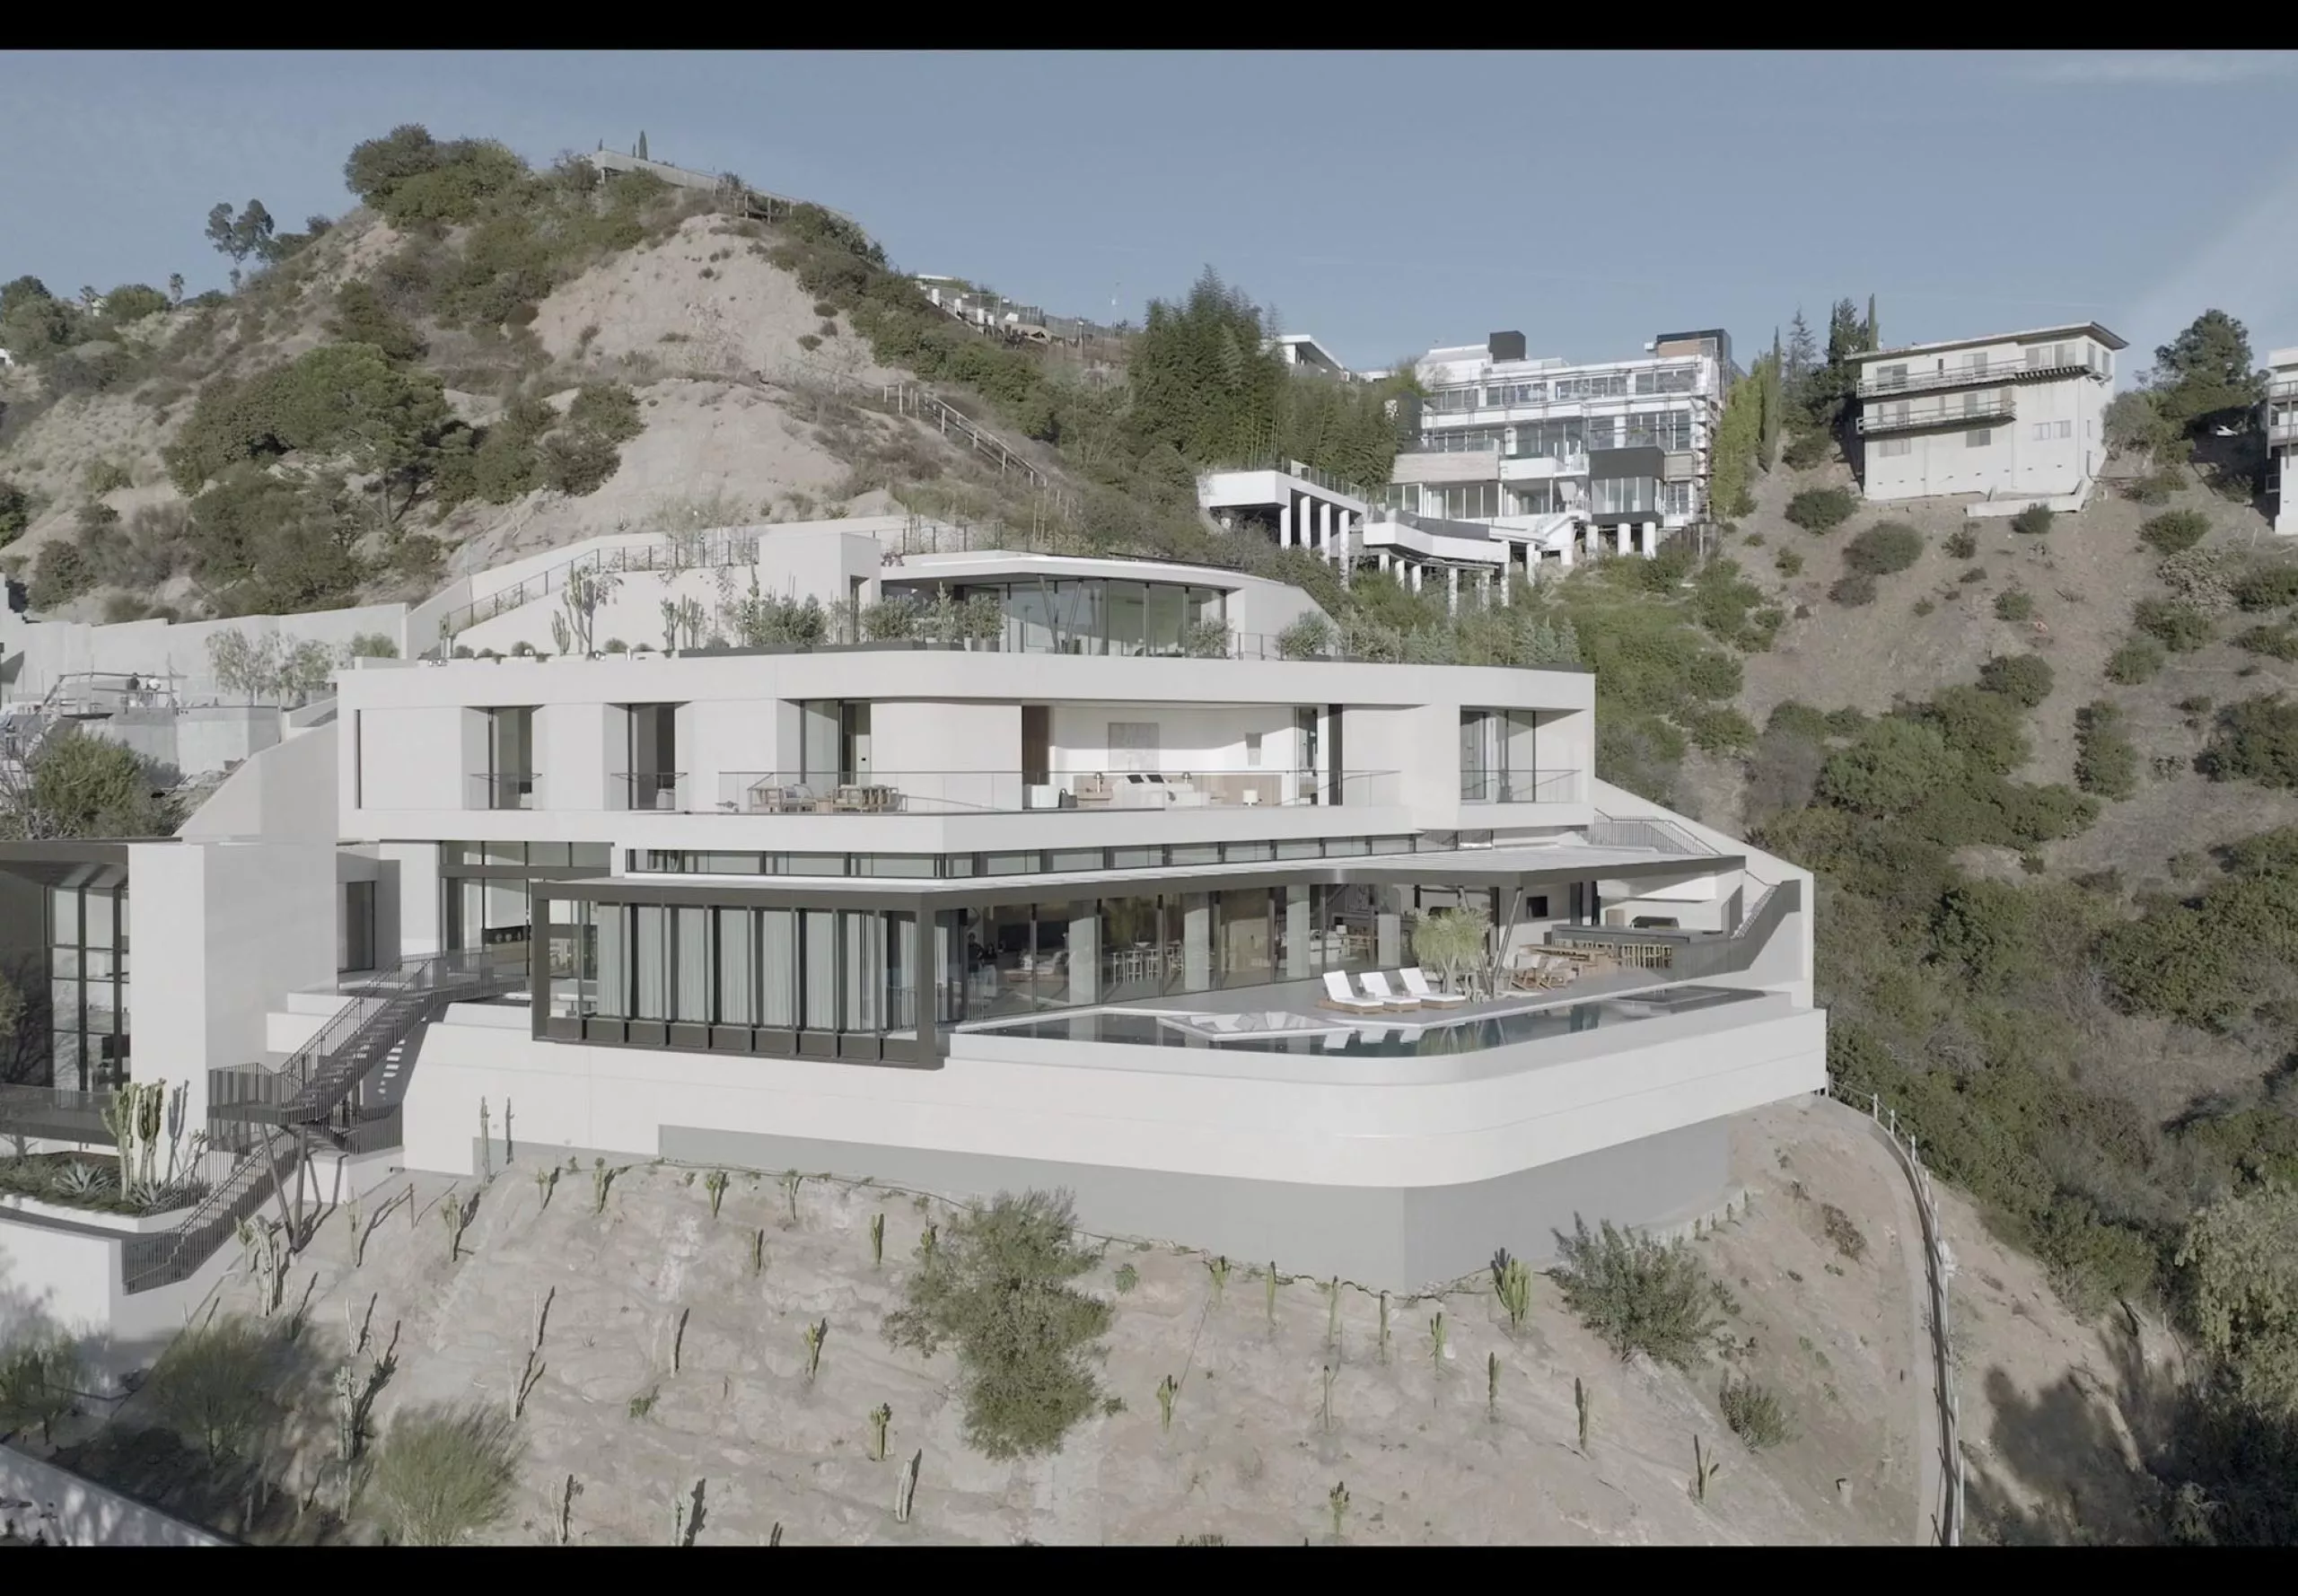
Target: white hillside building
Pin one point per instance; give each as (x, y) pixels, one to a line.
(965, 918)
(2011, 420)
(2282, 436)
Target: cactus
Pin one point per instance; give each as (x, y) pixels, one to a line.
(508, 1151)
(458, 1216)
(774, 1536)
(790, 1181)
(1580, 1407)
(678, 1340)
(1384, 1326)
(1272, 1293)
(1492, 1385)
(877, 1240)
(359, 1241)
(929, 1242)
(1126, 1278)
(715, 1183)
(1167, 1389)
(601, 1182)
(758, 1253)
(1219, 1270)
(1337, 1500)
(879, 1417)
(530, 1377)
(485, 1145)
(1436, 1341)
(1332, 1312)
(545, 1182)
(260, 1240)
(816, 1333)
(1327, 1409)
(1511, 1283)
(906, 1490)
(1703, 1468)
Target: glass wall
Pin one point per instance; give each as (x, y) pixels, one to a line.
(817, 969)
(1552, 439)
(87, 988)
(1099, 615)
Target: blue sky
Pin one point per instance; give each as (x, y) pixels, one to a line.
(1383, 202)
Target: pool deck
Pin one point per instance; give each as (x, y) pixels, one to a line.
(1306, 998)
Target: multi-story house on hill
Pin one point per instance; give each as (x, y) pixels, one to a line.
(1087, 902)
(2011, 420)
(2282, 437)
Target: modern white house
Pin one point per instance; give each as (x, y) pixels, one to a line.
(1552, 459)
(2282, 435)
(1085, 901)
(2009, 420)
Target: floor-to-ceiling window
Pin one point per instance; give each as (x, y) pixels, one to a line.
(87, 989)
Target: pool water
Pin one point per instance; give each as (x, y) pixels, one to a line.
(1398, 1037)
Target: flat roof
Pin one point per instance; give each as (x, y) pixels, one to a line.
(2082, 329)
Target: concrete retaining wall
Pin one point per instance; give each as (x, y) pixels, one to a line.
(39, 1500)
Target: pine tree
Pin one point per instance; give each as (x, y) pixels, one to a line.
(1802, 349)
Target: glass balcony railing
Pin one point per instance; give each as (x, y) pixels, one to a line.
(1519, 786)
(1015, 791)
(505, 789)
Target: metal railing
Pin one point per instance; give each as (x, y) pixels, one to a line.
(674, 553)
(1938, 1268)
(1999, 406)
(514, 790)
(1662, 837)
(1690, 955)
(1965, 375)
(167, 1258)
(1519, 786)
(1015, 791)
(908, 399)
(54, 1113)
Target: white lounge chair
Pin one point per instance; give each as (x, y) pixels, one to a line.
(1376, 986)
(1416, 983)
(1338, 996)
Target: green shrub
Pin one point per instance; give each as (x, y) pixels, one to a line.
(443, 1475)
(2014, 605)
(105, 476)
(577, 462)
(2257, 741)
(15, 512)
(2176, 529)
(1755, 1414)
(60, 574)
(41, 1376)
(998, 1286)
(2106, 763)
(2276, 642)
(2138, 661)
(1787, 563)
(1895, 764)
(1797, 720)
(2182, 629)
(2155, 487)
(1821, 509)
(1961, 543)
(2268, 587)
(608, 410)
(2033, 521)
(1883, 548)
(360, 317)
(1637, 1294)
(1986, 727)
(2024, 678)
(1807, 449)
(1853, 591)
(212, 1386)
(1719, 729)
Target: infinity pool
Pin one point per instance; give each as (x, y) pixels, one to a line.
(1416, 1035)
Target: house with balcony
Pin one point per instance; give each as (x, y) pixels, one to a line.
(2282, 436)
(1081, 901)
(2009, 420)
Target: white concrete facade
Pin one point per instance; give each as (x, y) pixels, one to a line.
(2281, 420)
(2010, 420)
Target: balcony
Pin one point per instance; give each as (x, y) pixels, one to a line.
(1972, 409)
(506, 790)
(1519, 786)
(1011, 792)
(1971, 373)
(654, 789)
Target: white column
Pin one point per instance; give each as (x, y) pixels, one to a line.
(1451, 590)
(1651, 539)
(1324, 525)
(1619, 538)
(1508, 577)
(1284, 523)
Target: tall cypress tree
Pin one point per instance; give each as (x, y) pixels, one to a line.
(1874, 330)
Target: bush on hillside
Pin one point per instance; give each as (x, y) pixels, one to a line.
(1885, 547)
(2024, 678)
(1787, 563)
(2033, 521)
(1895, 765)
(2106, 762)
(2268, 587)
(2156, 486)
(2256, 739)
(2138, 661)
(2182, 629)
(1821, 509)
(608, 410)
(1961, 543)
(360, 317)
(1854, 591)
(60, 574)
(1806, 451)
(442, 1475)
(15, 512)
(2173, 530)
(1637, 1294)
(1755, 1414)
(2275, 643)
(1987, 728)
(2014, 605)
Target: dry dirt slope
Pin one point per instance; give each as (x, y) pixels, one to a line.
(636, 1408)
